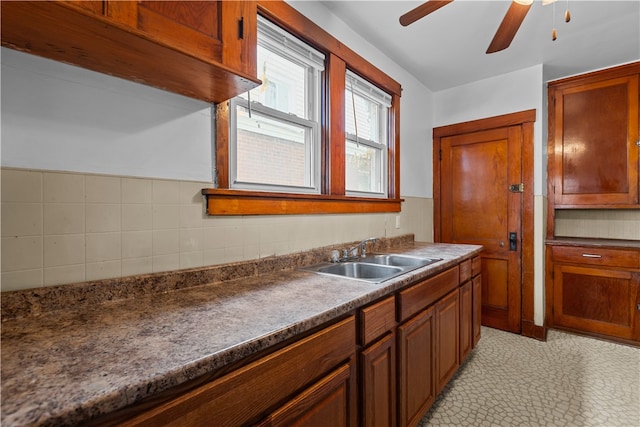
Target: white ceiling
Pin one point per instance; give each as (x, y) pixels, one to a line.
(447, 48)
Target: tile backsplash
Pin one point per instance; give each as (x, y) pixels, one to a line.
(60, 228)
(598, 223)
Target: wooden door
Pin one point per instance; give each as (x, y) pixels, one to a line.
(378, 383)
(416, 364)
(478, 207)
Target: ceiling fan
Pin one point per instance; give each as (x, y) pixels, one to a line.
(506, 31)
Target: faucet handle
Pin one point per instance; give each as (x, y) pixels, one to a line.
(363, 245)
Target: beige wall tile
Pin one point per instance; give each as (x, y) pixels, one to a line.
(191, 259)
(213, 256)
(212, 238)
(165, 242)
(21, 186)
(103, 247)
(191, 216)
(134, 266)
(165, 216)
(101, 218)
(190, 192)
(66, 249)
(190, 240)
(137, 217)
(103, 270)
(166, 262)
(64, 218)
(63, 188)
(232, 236)
(137, 244)
(21, 219)
(21, 253)
(64, 274)
(166, 192)
(233, 253)
(24, 279)
(137, 190)
(102, 189)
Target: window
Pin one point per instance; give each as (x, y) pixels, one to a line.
(366, 128)
(304, 115)
(275, 128)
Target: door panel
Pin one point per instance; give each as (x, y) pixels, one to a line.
(477, 207)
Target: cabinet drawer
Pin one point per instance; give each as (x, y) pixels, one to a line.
(597, 256)
(377, 319)
(476, 266)
(425, 293)
(244, 395)
(465, 271)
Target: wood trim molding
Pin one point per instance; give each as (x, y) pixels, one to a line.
(230, 202)
(513, 119)
(531, 330)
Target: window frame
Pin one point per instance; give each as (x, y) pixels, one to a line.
(223, 200)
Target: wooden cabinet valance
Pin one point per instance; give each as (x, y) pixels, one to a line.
(203, 50)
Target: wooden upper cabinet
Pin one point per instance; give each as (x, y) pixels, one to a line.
(201, 49)
(593, 139)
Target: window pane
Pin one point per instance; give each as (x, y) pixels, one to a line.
(283, 84)
(367, 115)
(272, 152)
(363, 168)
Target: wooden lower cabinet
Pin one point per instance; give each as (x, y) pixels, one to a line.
(416, 367)
(477, 309)
(595, 291)
(447, 319)
(378, 388)
(466, 320)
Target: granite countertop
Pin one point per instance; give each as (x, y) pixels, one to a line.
(601, 243)
(74, 364)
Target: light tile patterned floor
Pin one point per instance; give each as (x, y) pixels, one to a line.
(569, 380)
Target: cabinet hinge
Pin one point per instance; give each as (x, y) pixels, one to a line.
(440, 154)
(241, 28)
(517, 188)
(638, 143)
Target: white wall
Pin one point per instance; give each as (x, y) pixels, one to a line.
(60, 117)
(508, 93)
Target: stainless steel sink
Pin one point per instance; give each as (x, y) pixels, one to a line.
(373, 268)
(360, 270)
(398, 260)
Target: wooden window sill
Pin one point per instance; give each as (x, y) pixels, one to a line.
(234, 202)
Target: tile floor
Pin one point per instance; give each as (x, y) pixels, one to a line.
(569, 380)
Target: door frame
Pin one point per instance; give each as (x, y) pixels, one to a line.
(524, 119)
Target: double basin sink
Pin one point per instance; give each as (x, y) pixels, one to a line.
(373, 268)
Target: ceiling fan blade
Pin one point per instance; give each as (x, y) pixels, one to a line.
(421, 11)
(509, 26)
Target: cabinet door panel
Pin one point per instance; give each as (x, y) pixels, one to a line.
(416, 392)
(447, 340)
(596, 300)
(477, 309)
(378, 383)
(466, 320)
(328, 402)
(596, 129)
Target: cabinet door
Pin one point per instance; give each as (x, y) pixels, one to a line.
(466, 320)
(600, 301)
(447, 338)
(416, 362)
(378, 383)
(477, 309)
(596, 130)
(329, 402)
(222, 31)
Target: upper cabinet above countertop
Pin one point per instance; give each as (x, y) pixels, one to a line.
(593, 139)
(201, 49)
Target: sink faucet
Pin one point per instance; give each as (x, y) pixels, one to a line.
(351, 254)
(363, 245)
